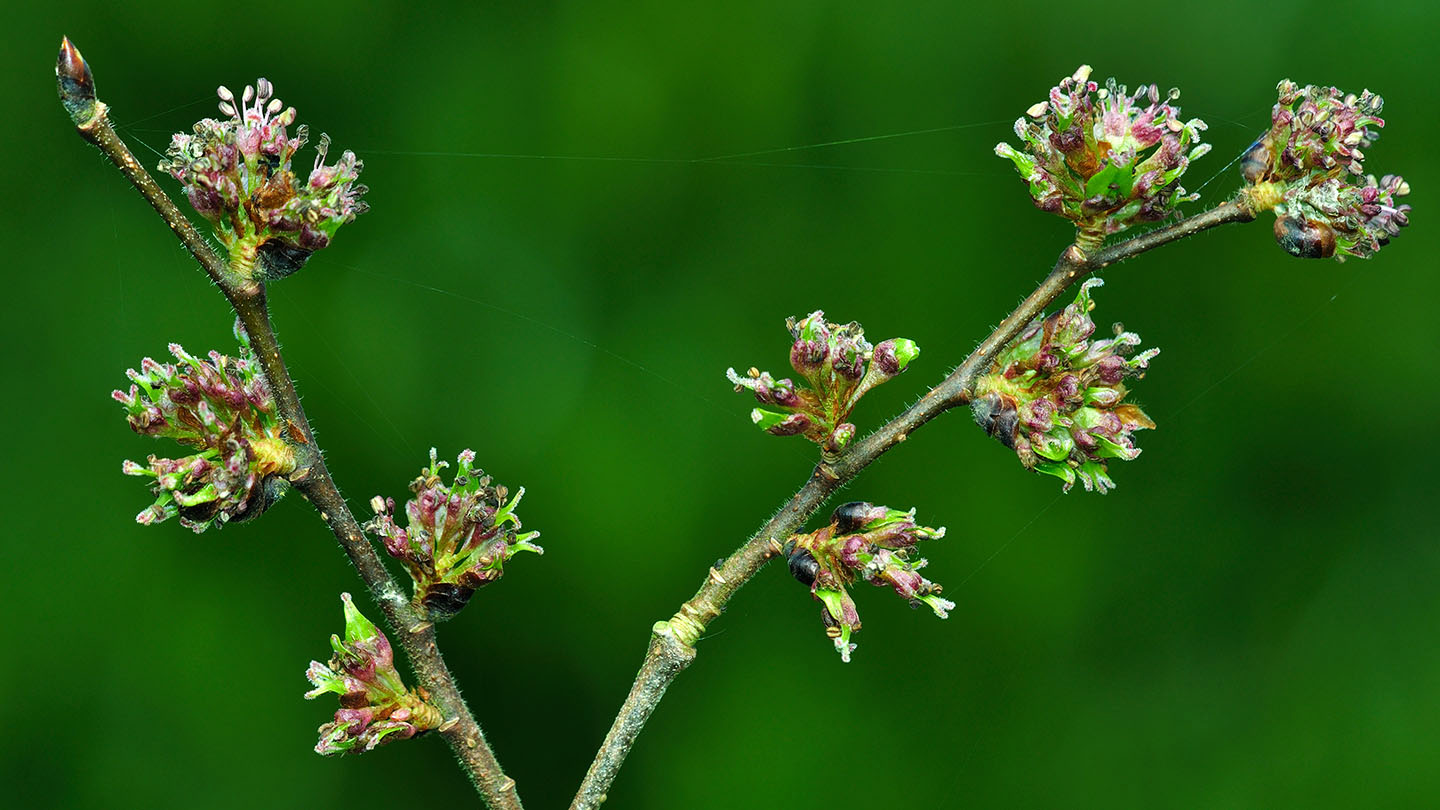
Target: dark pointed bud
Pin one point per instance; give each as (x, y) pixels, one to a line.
(1255, 164)
(74, 82)
(850, 518)
(803, 566)
(277, 259)
(274, 489)
(71, 69)
(444, 600)
(1305, 239)
(997, 415)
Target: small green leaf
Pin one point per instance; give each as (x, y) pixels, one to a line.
(1099, 184)
(1061, 471)
(1055, 446)
(1109, 449)
(905, 351)
(765, 420)
(357, 627)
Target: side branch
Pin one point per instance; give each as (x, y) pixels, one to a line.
(413, 633)
(672, 642)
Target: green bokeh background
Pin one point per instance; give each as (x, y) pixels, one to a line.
(1247, 622)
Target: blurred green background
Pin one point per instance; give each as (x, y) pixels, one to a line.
(1247, 622)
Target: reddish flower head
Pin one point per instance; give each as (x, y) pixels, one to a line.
(457, 536)
(237, 173)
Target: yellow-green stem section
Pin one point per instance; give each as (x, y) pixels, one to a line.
(1262, 197)
(243, 254)
(1089, 238)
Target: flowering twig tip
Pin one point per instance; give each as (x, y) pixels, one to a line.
(1308, 168)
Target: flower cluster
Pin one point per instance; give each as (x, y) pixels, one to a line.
(1106, 159)
(863, 541)
(457, 536)
(237, 174)
(840, 367)
(224, 409)
(1309, 168)
(375, 705)
(1056, 397)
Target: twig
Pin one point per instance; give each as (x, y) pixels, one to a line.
(414, 634)
(672, 642)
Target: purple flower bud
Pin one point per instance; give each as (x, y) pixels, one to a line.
(892, 356)
(1038, 416)
(839, 439)
(1110, 368)
(811, 347)
(785, 425)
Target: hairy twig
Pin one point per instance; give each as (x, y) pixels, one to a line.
(672, 642)
(312, 479)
